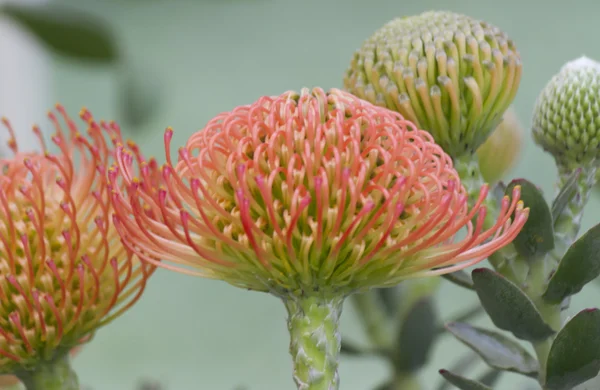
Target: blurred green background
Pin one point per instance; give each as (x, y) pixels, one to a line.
(206, 56)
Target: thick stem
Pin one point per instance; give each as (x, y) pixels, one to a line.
(374, 319)
(53, 375)
(551, 313)
(566, 229)
(315, 340)
(568, 223)
(552, 316)
(542, 350)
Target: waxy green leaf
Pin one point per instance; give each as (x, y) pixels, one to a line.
(463, 383)
(350, 349)
(508, 307)
(490, 377)
(565, 195)
(575, 353)
(460, 278)
(390, 299)
(496, 350)
(417, 335)
(537, 235)
(65, 31)
(579, 266)
(461, 365)
(139, 95)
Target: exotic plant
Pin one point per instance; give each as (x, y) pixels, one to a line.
(64, 271)
(311, 197)
(455, 77)
(314, 197)
(537, 274)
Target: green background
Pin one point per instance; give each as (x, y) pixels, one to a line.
(209, 56)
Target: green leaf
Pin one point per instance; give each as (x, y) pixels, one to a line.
(461, 365)
(350, 349)
(417, 334)
(508, 307)
(390, 299)
(496, 350)
(579, 266)
(575, 353)
(65, 31)
(565, 195)
(139, 95)
(537, 235)
(460, 278)
(462, 382)
(465, 316)
(385, 386)
(490, 377)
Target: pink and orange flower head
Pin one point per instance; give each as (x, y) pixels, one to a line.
(305, 192)
(64, 272)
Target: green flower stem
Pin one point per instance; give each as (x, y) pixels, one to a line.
(568, 224)
(315, 340)
(542, 350)
(536, 286)
(53, 375)
(374, 318)
(507, 262)
(566, 229)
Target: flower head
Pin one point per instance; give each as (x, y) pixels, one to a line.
(64, 270)
(305, 192)
(502, 149)
(566, 118)
(450, 74)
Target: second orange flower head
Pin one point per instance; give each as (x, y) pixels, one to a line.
(302, 192)
(63, 270)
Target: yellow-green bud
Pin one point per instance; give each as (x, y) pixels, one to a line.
(452, 75)
(566, 118)
(501, 151)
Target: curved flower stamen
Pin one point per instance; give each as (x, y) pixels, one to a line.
(65, 270)
(306, 191)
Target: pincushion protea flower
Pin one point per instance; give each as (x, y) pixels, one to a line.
(310, 197)
(64, 270)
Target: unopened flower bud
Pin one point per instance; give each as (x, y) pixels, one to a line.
(566, 118)
(450, 74)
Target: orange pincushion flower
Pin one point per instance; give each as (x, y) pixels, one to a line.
(64, 272)
(306, 191)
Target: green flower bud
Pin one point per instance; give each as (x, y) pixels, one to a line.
(452, 75)
(566, 118)
(500, 152)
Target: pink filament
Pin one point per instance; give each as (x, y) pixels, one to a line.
(55, 210)
(327, 170)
